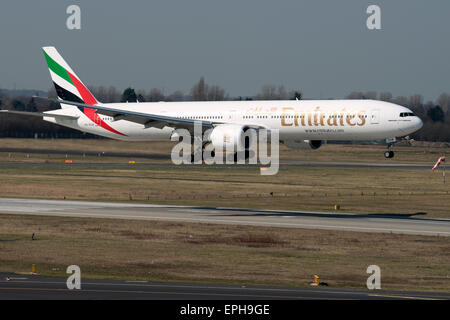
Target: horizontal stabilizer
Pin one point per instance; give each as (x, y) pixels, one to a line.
(40, 114)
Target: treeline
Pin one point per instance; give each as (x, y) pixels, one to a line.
(435, 114)
(201, 91)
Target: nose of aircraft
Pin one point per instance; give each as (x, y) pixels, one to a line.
(418, 123)
(411, 125)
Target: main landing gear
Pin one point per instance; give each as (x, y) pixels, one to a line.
(389, 153)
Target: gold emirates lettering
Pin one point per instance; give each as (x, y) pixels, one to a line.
(284, 116)
(290, 118)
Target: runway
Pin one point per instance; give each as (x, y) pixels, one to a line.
(394, 223)
(17, 286)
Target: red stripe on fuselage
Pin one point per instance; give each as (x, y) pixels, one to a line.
(88, 98)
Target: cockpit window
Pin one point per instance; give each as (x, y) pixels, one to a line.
(406, 114)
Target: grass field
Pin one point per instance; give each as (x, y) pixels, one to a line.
(243, 254)
(167, 251)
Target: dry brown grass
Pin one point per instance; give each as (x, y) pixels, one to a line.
(87, 145)
(156, 250)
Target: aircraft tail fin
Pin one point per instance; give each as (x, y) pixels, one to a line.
(67, 84)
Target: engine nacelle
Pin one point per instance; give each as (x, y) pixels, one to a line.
(303, 144)
(230, 137)
(314, 144)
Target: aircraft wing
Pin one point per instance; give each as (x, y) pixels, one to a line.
(41, 114)
(146, 119)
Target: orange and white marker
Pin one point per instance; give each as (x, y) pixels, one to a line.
(441, 159)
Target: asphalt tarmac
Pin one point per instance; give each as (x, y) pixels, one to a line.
(20, 286)
(393, 223)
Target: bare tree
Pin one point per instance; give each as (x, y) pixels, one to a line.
(51, 93)
(215, 93)
(444, 101)
(401, 100)
(99, 92)
(386, 96)
(176, 96)
(370, 95)
(268, 92)
(199, 91)
(112, 95)
(202, 92)
(155, 95)
(416, 103)
(272, 92)
(355, 95)
(282, 93)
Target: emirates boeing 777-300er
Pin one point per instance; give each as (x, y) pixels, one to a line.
(300, 123)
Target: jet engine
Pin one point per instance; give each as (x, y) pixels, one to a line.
(303, 144)
(230, 137)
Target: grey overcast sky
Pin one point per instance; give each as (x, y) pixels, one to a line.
(320, 47)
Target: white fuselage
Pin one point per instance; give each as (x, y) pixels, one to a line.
(295, 120)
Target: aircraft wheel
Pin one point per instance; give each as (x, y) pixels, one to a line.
(389, 154)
